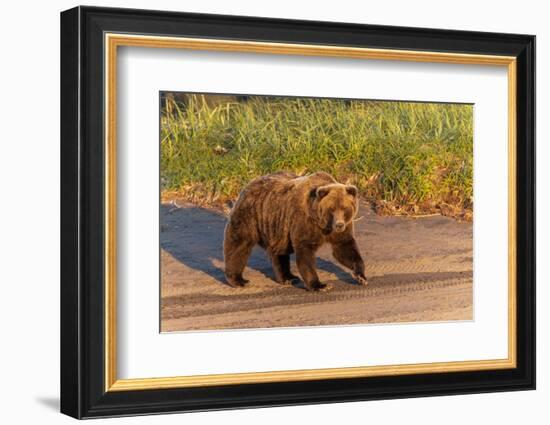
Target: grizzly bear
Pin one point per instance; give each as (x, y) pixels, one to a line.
(284, 214)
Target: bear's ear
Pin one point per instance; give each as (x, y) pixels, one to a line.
(321, 192)
(352, 190)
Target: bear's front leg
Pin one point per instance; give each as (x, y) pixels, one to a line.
(347, 253)
(305, 260)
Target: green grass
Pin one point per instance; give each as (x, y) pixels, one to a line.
(404, 157)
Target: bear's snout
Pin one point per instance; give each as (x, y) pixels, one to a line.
(339, 226)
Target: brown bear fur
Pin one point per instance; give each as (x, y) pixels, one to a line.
(285, 214)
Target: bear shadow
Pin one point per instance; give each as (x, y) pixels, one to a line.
(193, 235)
(340, 273)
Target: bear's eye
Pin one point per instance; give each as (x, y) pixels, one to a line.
(347, 215)
(322, 192)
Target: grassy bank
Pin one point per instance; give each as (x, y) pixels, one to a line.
(406, 158)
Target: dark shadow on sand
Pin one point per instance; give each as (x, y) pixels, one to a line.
(194, 236)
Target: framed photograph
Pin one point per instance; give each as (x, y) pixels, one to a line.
(261, 212)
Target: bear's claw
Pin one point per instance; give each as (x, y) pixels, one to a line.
(320, 287)
(290, 280)
(361, 280)
(239, 282)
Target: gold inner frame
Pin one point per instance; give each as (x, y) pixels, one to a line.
(113, 41)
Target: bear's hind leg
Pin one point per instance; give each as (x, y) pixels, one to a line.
(281, 268)
(236, 251)
(285, 266)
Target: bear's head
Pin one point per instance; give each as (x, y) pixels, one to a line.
(334, 206)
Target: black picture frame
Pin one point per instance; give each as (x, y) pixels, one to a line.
(83, 392)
